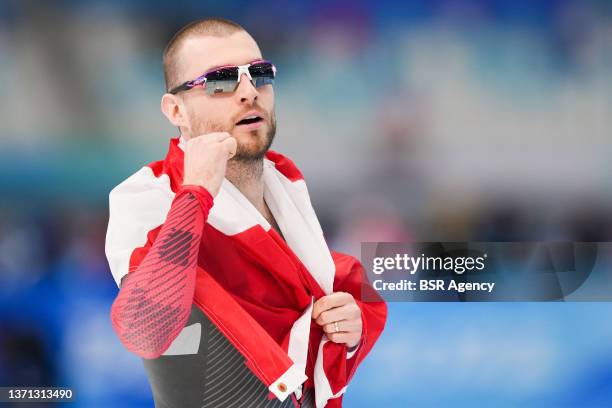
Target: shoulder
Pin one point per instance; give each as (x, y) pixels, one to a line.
(145, 193)
(136, 206)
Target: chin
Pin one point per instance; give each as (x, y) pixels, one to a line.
(251, 151)
(252, 145)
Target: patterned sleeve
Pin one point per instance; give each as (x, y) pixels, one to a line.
(155, 299)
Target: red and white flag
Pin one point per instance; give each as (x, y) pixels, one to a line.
(255, 286)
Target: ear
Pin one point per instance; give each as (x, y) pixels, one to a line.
(173, 109)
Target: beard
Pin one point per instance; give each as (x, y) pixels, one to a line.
(257, 142)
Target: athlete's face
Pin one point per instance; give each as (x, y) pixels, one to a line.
(198, 113)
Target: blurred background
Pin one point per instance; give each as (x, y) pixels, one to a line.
(411, 121)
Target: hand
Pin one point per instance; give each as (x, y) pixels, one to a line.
(206, 159)
(339, 307)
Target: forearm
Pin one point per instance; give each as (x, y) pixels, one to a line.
(154, 301)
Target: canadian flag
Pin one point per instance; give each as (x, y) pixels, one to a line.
(257, 287)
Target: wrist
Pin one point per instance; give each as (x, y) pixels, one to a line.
(200, 183)
(201, 193)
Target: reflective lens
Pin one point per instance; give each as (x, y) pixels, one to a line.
(262, 74)
(222, 80)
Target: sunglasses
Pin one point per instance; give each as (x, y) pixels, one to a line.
(225, 79)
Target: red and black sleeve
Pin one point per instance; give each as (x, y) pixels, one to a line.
(155, 299)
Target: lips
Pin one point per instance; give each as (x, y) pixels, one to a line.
(250, 118)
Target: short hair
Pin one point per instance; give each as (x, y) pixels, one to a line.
(212, 26)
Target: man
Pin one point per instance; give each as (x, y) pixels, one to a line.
(227, 288)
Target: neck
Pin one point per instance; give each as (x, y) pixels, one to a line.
(247, 177)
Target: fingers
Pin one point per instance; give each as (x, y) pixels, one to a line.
(336, 299)
(353, 325)
(224, 139)
(211, 137)
(346, 312)
(230, 145)
(343, 337)
(206, 157)
(340, 317)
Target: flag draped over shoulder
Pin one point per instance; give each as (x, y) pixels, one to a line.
(257, 287)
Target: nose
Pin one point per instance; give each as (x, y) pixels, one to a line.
(246, 91)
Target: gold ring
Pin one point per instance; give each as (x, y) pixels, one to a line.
(336, 327)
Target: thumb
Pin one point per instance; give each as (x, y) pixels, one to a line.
(230, 145)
